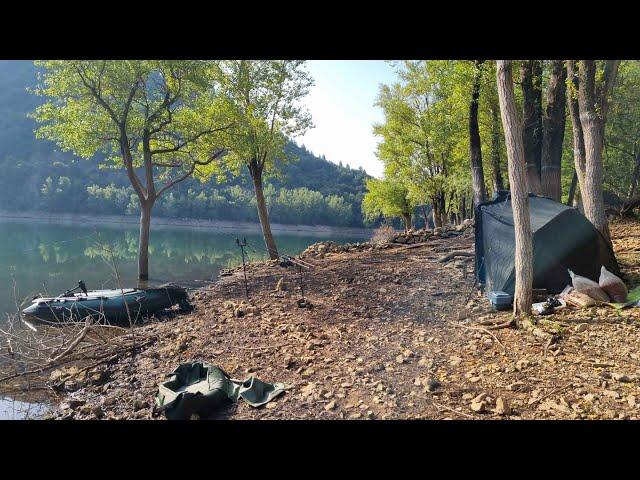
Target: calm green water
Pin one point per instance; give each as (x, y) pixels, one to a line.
(48, 258)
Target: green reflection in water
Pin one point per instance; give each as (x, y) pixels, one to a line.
(49, 258)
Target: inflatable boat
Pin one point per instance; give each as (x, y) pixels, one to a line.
(114, 306)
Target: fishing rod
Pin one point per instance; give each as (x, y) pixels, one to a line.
(242, 245)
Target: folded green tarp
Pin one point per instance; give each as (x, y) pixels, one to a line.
(202, 389)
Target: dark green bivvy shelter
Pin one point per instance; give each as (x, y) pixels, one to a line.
(563, 239)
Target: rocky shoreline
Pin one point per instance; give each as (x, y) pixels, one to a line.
(387, 331)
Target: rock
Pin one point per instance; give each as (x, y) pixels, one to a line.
(619, 377)
(425, 362)
(71, 404)
(581, 327)
(479, 398)
(454, 360)
(478, 407)
(502, 406)
(97, 411)
(516, 386)
(330, 406)
(308, 372)
(281, 286)
(431, 384)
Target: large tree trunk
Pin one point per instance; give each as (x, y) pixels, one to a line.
(574, 112)
(143, 240)
(518, 182)
(553, 131)
(435, 210)
(593, 103)
(531, 83)
(496, 173)
(475, 152)
(263, 215)
(443, 210)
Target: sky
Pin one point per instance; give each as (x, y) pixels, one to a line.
(341, 104)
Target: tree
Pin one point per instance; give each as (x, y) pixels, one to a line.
(519, 197)
(594, 83)
(159, 120)
(422, 139)
(531, 84)
(475, 150)
(388, 198)
(553, 123)
(622, 136)
(265, 95)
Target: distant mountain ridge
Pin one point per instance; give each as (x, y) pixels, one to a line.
(37, 176)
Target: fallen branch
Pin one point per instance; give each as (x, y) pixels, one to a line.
(262, 348)
(75, 343)
(483, 330)
(438, 406)
(457, 253)
(508, 324)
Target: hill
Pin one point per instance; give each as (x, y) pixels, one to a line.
(37, 176)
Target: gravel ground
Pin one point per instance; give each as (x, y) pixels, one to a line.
(389, 335)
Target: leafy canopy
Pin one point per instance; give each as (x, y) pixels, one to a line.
(264, 97)
(387, 198)
(164, 114)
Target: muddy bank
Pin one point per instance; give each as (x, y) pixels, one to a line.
(394, 332)
(163, 222)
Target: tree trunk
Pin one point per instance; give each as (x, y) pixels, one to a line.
(435, 210)
(518, 182)
(443, 210)
(143, 240)
(406, 218)
(425, 216)
(498, 183)
(574, 112)
(592, 120)
(475, 151)
(531, 83)
(572, 189)
(634, 179)
(553, 132)
(263, 215)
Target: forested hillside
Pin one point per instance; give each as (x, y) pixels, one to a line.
(37, 176)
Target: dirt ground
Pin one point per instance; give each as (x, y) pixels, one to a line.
(390, 335)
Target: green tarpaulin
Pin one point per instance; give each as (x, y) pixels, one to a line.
(202, 389)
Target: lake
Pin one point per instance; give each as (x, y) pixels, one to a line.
(48, 258)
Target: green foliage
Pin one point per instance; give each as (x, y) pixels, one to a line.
(265, 109)
(387, 198)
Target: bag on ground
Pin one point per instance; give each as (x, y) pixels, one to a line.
(613, 286)
(588, 287)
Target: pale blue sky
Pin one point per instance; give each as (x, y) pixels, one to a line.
(341, 103)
